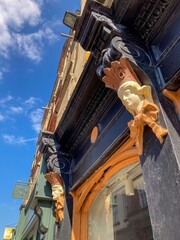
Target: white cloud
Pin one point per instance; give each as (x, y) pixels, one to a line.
(1, 75)
(2, 117)
(16, 110)
(50, 35)
(30, 45)
(15, 16)
(36, 118)
(30, 102)
(2, 71)
(17, 12)
(6, 99)
(11, 139)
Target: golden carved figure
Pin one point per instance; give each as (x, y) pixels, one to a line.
(137, 99)
(57, 192)
(138, 102)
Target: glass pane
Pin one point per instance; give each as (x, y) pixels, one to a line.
(119, 212)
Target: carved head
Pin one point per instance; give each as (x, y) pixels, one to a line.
(57, 191)
(132, 96)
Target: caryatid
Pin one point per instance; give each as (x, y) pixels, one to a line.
(136, 98)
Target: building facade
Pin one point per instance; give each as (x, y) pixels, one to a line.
(107, 160)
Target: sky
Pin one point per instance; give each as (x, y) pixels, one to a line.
(30, 48)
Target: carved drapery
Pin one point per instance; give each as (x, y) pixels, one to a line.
(147, 116)
(57, 163)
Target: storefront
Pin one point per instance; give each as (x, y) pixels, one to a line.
(116, 165)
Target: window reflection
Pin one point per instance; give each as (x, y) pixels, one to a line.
(115, 215)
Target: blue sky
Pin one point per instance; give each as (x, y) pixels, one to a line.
(30, 48)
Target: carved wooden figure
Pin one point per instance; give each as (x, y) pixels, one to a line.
(57, 192)
(57, 163)
(136, 98)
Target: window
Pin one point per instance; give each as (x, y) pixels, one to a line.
(115, 215)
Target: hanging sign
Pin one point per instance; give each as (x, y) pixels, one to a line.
(21, 191)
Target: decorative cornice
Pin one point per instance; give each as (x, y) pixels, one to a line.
(95, 110)
(151, 16)
(83, 119)
(76, 98)
(99, 32)
(120, 8)
(95, 32)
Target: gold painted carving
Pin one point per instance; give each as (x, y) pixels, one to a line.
(57, 192)
(136, 98)
(174, 97)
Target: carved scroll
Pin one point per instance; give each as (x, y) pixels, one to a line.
(56, 159)
(39, 213)
(136, 98)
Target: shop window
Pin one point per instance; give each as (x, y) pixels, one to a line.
(114, 215)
